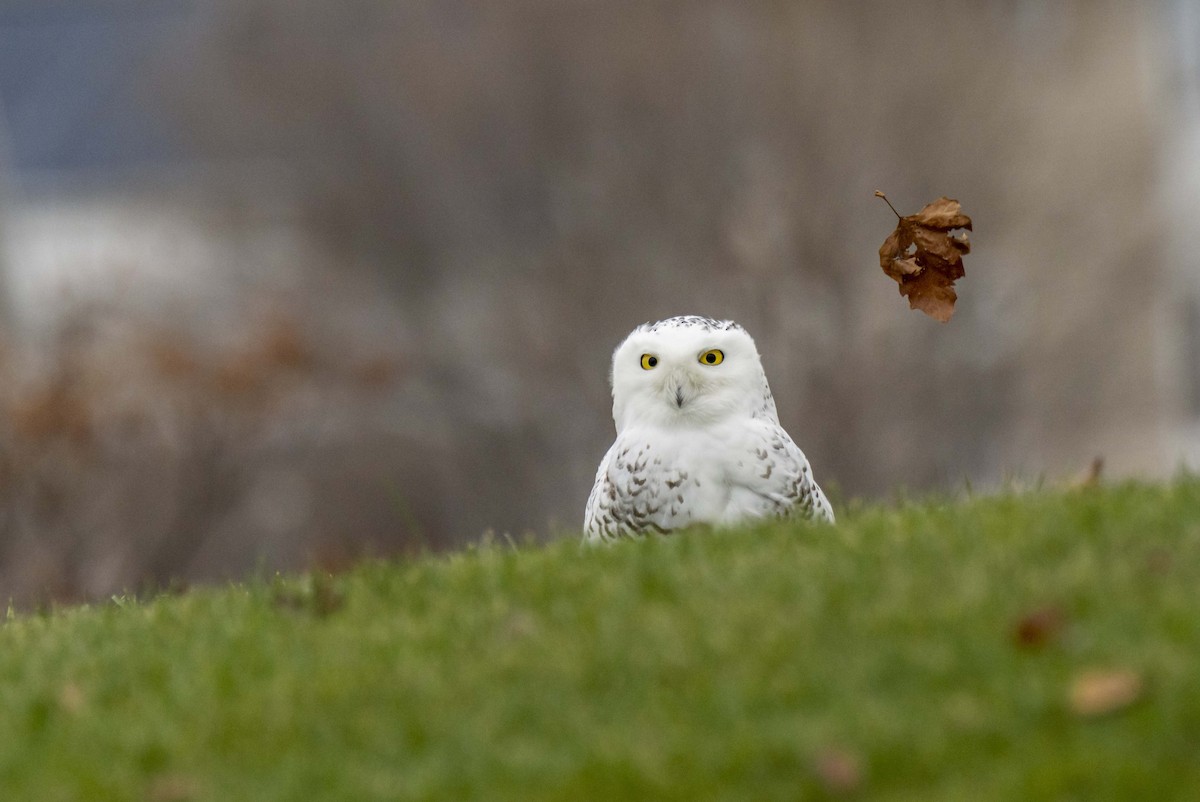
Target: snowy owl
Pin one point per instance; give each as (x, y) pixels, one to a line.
(698, 438)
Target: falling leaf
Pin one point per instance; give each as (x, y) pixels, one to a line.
(1096, 693)
(1039, 627)
(925, 258)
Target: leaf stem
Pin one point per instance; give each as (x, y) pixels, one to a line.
(879, 194)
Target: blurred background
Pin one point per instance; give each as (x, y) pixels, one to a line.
(288, 281)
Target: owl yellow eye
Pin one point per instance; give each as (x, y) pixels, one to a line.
(713, 357)
(649, 361)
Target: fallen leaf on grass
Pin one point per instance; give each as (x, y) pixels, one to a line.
(1039, 627)
(925, 258)
(521, 625)
(1158, 562)
(172, 788)
(1096, 693)
(71, 698)
(839, 771)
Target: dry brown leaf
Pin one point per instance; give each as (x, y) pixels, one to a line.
(924, 258)
(173, 788)
(1039, 627)
(840, 771)
(1159, 562)
(1095, 693)
(71, 698)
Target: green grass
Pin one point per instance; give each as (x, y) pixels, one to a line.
(706, 666)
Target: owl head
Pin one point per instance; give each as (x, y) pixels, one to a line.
(688, 371)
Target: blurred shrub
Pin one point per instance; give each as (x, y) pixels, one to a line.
(131, 455)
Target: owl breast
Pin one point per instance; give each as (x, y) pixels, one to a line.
(650, 485)
(659, 481)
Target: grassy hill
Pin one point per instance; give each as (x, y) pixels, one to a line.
(1042, 646)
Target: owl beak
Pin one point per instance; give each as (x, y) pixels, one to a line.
(675, 391)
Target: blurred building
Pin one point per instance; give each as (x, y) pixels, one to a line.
(428, 223)
(105, 204)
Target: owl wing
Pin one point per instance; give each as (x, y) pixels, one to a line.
(600, 522)
(772, 477)
(634, 494)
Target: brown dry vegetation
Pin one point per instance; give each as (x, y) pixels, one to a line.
(136, 456)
